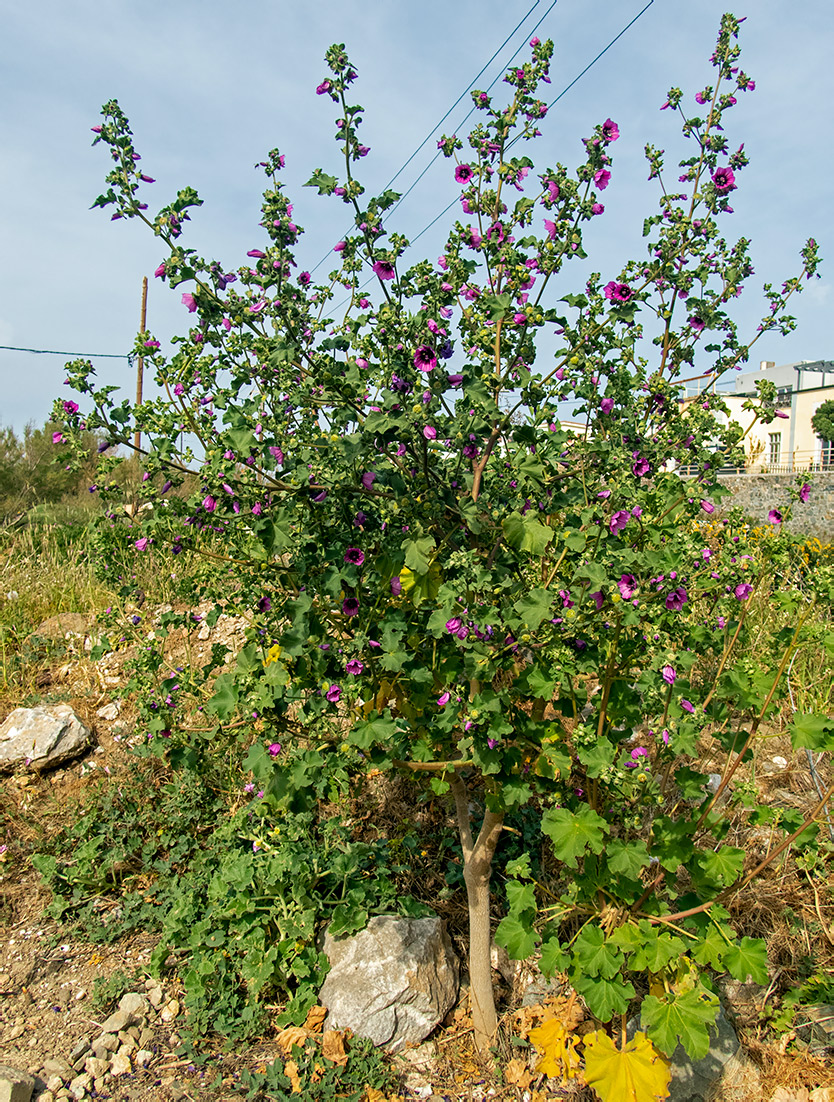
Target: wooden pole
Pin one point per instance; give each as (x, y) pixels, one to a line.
(140, 365)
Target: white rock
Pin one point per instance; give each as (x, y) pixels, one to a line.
(109, 711)
(393, 982)
(120, 1065)
(779, 761)
(143, 1057)
(41, 737)
(170, 1010)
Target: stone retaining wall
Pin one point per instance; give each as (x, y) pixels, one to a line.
(757, 494)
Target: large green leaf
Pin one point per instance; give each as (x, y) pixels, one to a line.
(684, 1018)
(417, 552)
(594, 955)
(365, 733)
(525, 532)
(225, 698)
(604, 997)
(573, 834)
(812, 732)
(534, 607)
(747, 958)
(516, 934)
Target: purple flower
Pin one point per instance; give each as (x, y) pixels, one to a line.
(57, 438)
(619, 520)
(606, 405)
(444, 699)
(70, 407)
(188, 300)
(396, 586)
(640, 467)
(695, 323)
(350, 606)
(687, 706)
(618, 292)
(339, 247)
(453, 625)
(265, 604)
(324, 87)
(550, 227)
(430, 432)
(724, 180)
(368, 479)
(256, 253)
(804, 492)
(743, 590)
(209, 504)
(354, 666)
(610, 131)
(425, 358)
(384, 269)
(627, 586)
(355, 555)
(597, 208)
(141, 544)
(333, 694)
(464, 173)
(668, 674)
(676, 599)
(274, 749)
(708, 506)
(602, 178)
(597, 598)
(455, 380)
(774, 517)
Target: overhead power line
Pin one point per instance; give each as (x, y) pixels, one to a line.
(566, 89)
(437, 125)
(78, 355)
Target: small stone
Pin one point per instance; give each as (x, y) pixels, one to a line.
(100, 1052)
(108, 711)
(16, 1031)
(100, 1085)
(143, 1057)
(174, 1040)
(128, 1048)
(170, 1010)
(80, 1085)
(54, 1083)
(120, 1065)
(80, 1050)
(46, 1096)
(96, 1067)
(145, 1038)
(134, 1003)
(57, 1067)
(109, 1042)
(15, 1085)
(117, 1022)
(156, 996)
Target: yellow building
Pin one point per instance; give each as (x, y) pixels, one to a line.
(788, 443)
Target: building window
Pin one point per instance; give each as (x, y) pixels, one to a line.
(775, 450)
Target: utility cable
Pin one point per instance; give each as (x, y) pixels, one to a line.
(79, 355)
(448, 113)
(564, 91)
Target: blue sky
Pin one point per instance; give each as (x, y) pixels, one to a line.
(210, 87)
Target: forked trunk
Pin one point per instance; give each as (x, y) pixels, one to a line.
(477, 871)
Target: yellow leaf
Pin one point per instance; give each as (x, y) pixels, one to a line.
(333, 1047)
(291, 1072)
(518, 1074)
(292, 1035)
(558, 1047)
(637, 1073)
(315, 1018)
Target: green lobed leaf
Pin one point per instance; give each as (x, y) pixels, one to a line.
(684, 1018)
(574, 833)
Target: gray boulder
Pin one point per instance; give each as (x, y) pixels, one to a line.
(394, 982)
(41, 738)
